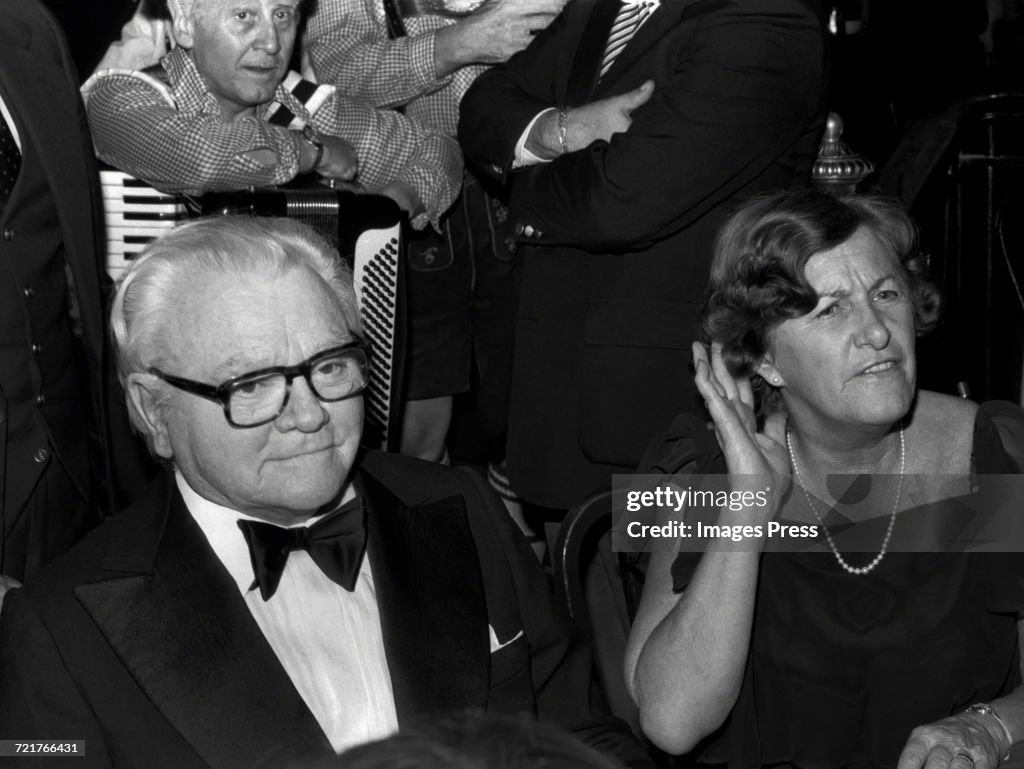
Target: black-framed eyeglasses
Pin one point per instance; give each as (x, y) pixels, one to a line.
(253, 399)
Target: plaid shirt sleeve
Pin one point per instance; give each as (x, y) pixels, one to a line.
(391, 147)
(348, 45)
(138, 127)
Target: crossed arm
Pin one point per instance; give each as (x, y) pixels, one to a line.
(137, 130)
(735, 91)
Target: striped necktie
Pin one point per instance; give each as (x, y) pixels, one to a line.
(631, 15)
(10, 163)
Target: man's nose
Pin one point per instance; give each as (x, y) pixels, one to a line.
(268, 37)
(304, 411)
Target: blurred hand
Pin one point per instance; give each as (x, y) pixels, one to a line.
(144, 41)
(492, 33)
(748, 452)
(946, 743)
(339, 160)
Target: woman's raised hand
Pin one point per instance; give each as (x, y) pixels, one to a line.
(730, 402)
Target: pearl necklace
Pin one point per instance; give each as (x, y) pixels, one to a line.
(858, 570)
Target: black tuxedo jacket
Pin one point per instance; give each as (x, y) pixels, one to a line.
(616, 238)
(138, 641)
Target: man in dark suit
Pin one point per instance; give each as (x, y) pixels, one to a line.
(53, 418)
(229, 618)
(624, 178)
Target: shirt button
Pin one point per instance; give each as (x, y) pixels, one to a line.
(29, 292)
(41, 455)
(8, 234)
(40, 400)
(37, 348)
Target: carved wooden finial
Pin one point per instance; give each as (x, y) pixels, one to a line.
(838, 168)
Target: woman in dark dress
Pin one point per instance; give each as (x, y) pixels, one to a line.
(850, 654)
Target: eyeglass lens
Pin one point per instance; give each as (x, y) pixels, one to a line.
(261, 398)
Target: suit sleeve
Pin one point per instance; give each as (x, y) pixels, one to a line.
(502, 101)
(39, 699)
(741, 85)
(561, 667)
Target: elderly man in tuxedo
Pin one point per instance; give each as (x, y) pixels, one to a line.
(279, 594)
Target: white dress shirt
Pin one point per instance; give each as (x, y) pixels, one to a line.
(327, 639)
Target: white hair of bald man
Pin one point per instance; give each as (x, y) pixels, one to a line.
(147, 294)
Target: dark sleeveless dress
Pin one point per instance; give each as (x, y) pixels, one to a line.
(843, 667)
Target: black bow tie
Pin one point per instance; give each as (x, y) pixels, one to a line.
(335, 543)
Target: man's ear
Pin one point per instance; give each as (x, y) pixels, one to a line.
(183, 21)
(148, 409)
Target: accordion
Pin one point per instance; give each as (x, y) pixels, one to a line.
(366, 230)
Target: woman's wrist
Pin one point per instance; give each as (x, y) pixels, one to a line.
(989, 717)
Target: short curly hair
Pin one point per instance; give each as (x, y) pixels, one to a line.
(758, 270)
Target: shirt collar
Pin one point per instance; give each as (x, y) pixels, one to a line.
(219, 525)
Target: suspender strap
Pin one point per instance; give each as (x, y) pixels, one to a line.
(393, 18)
(307, 93)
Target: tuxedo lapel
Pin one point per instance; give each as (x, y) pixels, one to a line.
(173, 616)
(430, 595)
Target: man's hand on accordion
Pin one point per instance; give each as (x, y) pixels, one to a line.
(409, 201)
(339, 160)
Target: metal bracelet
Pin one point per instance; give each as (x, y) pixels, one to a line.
(984, 709)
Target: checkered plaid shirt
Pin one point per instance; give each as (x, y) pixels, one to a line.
(347, 44)
(175, 139)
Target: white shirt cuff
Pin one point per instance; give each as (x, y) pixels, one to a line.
(523, 156)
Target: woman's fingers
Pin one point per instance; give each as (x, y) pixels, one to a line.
(705, 375)
(725, 379)
(952, 743)
(746, 392)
